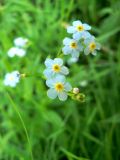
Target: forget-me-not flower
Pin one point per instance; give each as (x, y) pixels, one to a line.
(78, 29)
(16, 51)
(91, 46)
(11, 79)
(58, 87)
(55, 67)
(20, 42)
(72, 47)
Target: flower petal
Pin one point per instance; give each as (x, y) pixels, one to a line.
(86, 26)
(66, 50)
(60, 78)
(58, 61)
(62, 96)
(66, 41)
(98, 46)
(75, 23)
(50, 83)
(86, 51)
(47, 73)
(77, 36)
(94, 53)
(48, 62)
(51, 93)
(64, 70)
(68, 87)
(70, 29)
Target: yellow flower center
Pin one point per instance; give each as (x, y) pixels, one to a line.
(56, 68)
(92, 46)
(59, 87)
(73, 45)
(11, 78)
(80, 28)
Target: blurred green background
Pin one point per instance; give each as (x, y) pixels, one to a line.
(60, 130)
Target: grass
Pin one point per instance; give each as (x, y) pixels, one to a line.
(52, 129)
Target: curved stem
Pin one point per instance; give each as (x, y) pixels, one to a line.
(22, 122)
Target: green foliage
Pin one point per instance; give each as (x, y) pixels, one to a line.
(56, 130)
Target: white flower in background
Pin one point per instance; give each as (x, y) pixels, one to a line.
(58, 87)
(55, 67)
(72, 60)
(78, 29)
(11, 79)
(20, 42)
(16, 51)
(84, 83)
(72, 47)
(91, 46)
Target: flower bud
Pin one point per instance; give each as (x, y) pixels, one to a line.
(80, 97)
(76, 90)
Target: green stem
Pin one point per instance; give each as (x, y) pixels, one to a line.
(22, 122)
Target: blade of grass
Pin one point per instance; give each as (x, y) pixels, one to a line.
(22, 122)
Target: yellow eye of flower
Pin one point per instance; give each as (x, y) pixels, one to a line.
(80, 28)
(56, 68)
(11, 78)
(73, 45)
(92, 46)
(59, 87)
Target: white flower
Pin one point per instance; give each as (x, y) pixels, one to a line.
(78, 29)
(91, 46)
(72, 60)
(16, 51)
(58, 87)
(72, 47)
(11, 79)
(20, 42)
(55, 67)
(84, 83)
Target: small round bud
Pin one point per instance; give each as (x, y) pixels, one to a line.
(80, 97)
(23, 75)
(76, 90)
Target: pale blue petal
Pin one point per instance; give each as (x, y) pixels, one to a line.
(62, 96)
(58, 61)
(86, 35)
(87, 51)
(77, 36)
(75, 54)
(60, 78)
(47, 73)
(80, 47)
(66, 41)
(66, 50)
(68, 87)
(98, 46)
(86, 26)
(70, 29)
(76, 23)
(51, 93)
(50, 83)
(48, 62)
(94, 53)
(64, 70)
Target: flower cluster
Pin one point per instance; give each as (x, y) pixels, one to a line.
(19, 47)
(55, 73)
(81, 41)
